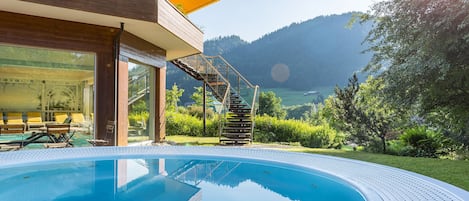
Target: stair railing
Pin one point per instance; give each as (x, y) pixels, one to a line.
(232, 79)
(200, 64)
(204, 69)
(248, 92)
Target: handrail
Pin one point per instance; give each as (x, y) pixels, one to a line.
(233, 69)
(208, 66)
(255, 97)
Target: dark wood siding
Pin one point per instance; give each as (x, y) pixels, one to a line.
(142, 51)
(141, 9)
(50, 33)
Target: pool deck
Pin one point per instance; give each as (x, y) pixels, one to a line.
(374, 181)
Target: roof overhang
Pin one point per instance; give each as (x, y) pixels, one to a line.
(188, 6)
(169, 29)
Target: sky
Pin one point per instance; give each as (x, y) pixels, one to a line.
(251, 19)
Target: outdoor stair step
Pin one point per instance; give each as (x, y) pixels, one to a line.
(237, 128)
(238, 106)
(239, 123)
(235, 140)
(240, 113)
(239, 120)
(245, 112)
(237, 135)
(216, 83)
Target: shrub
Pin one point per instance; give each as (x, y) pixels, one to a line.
(198, 112)
(421, 142)
(184, 124)
(270, 129)
(136, 119)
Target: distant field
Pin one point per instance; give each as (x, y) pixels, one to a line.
(291, 97)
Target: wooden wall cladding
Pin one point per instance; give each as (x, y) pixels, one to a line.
(141, 50)
(51, 33)
(141, 10)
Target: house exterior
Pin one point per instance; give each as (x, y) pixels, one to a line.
(82, 56)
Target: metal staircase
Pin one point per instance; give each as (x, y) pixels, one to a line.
(236, 94)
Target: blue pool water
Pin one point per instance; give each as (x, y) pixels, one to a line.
(170, 178)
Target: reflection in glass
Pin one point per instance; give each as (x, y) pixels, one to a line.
(139, 101)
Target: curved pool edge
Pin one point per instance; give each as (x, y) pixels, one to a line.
(374, 181)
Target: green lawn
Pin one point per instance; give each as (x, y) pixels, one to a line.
(450, 171)
(291, 97)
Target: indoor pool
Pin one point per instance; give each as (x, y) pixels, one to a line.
(205, 173)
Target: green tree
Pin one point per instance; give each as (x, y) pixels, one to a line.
(198, 96)
(271, 105)
(364, 111)
(172, 97)
(421, 50)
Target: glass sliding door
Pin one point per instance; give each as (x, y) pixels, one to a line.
(139, 101)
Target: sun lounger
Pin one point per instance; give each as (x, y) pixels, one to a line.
(78, 119)
(15, 118)
(61, 117)
(34, 119)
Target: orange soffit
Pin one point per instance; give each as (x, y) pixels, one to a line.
(188, 6)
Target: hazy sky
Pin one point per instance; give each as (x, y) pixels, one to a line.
(251, 19)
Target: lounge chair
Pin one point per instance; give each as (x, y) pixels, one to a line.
(61, 117)
(78, 119)
(1, 118)
(59, 134)
(106, 141)
(34, 119)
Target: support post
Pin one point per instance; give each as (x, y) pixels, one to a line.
(204, 106)
(160, 122)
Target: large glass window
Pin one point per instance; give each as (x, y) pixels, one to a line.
(47, 83)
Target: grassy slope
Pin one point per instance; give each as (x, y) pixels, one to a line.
(450, 171)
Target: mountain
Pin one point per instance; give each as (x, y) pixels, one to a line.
(315, 53)
(222, 45)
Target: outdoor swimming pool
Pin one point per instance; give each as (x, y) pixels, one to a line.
(206, 173)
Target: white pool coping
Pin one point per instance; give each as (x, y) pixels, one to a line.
(374, 181)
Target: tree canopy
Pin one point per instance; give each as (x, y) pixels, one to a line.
(421, 52)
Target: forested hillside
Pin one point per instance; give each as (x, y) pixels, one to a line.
(319, 52)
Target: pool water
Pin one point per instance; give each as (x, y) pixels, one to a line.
(173, 178)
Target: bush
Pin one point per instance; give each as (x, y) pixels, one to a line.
(421, 142)
(198, 112)
(135, 119)
(270, 129)
(184, 124)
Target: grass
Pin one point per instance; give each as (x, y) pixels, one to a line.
(189, 140)
(455, 172)
(292, 97)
